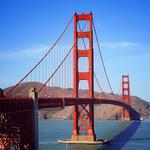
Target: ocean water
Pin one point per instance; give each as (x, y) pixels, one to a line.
(125, 135)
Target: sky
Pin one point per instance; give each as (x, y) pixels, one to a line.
(29, 27)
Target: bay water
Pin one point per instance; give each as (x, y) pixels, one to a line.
(124, 135)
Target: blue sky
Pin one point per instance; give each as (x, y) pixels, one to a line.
(29, 27)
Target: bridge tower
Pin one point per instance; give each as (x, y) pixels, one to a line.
(83, 114)
(126, 96)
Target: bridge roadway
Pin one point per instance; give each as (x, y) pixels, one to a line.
(49, 102)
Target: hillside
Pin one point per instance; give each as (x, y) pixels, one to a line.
(101, 111)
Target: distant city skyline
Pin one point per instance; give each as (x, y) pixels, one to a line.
(28, 28)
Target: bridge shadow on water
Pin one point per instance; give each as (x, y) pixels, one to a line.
(118, 142)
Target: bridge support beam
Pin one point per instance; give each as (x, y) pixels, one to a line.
(34, 95)
(83, 120)
(126, 97)
(18, 122)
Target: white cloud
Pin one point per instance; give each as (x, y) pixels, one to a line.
(120, 45)
(29, 53)
(22, 54)
(143, 57)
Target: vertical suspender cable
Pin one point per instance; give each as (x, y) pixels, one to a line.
(41, 58)
(60, 65)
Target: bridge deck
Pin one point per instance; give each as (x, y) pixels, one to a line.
(55, 102)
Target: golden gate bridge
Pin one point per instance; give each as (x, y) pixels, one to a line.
(60, 68)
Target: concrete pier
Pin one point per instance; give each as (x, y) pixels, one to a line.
(97, 142)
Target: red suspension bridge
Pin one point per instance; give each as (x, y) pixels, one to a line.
(55, 82)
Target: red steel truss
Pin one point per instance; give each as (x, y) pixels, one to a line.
(83, 114)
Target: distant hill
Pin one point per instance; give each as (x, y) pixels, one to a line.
(101, 111)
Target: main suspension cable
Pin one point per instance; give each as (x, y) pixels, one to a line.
(98, 82)
(41, 58)
(98, 45)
